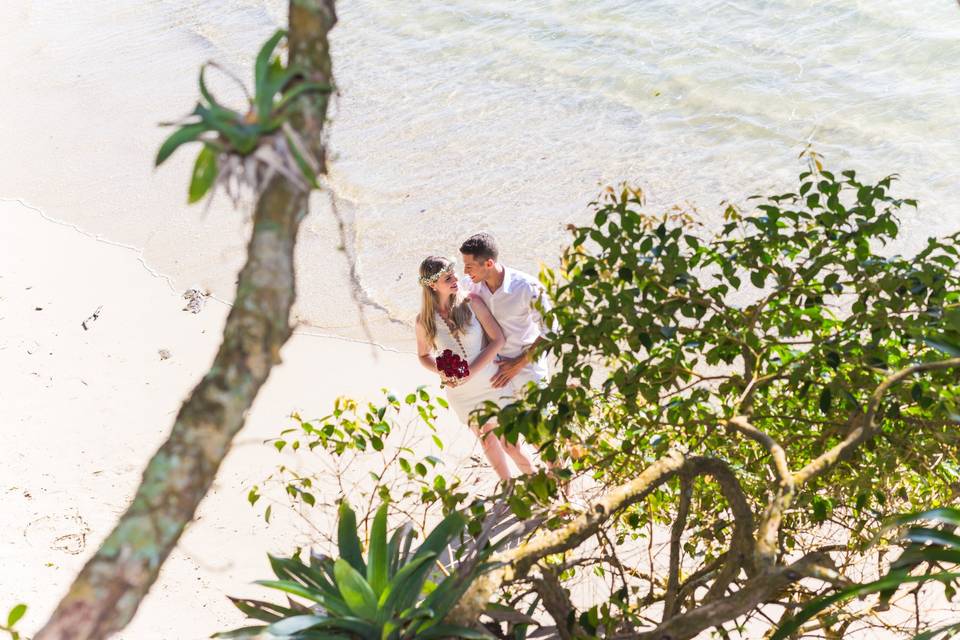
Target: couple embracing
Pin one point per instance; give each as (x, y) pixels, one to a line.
(487, 319)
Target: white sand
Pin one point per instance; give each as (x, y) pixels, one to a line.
(82, 411)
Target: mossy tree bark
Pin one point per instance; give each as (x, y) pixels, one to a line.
(105, 595)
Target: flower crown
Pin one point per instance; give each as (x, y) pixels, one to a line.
(426, 281)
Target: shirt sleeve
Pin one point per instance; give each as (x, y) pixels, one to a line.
(539, 295)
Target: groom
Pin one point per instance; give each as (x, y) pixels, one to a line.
(509, 294)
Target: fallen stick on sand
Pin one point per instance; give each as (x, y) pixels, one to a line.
(93, 316)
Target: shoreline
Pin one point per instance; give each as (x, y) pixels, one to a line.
(85, 409)
(302, 327)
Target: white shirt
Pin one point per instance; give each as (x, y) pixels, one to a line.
(512, 306)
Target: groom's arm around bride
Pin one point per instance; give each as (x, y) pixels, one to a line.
(510, 295)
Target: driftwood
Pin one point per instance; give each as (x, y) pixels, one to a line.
(107, 592)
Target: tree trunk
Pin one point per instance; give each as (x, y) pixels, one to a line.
(109, 589)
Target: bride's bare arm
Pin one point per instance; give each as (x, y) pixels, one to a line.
(423, 349)
(494, 333)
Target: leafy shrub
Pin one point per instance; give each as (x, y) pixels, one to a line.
(400, 430)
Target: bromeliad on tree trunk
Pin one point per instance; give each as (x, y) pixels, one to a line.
(248, 149)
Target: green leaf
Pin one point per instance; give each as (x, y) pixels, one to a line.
(943, 515)
(216, 110)
(377, 560)
(933, 536)
(204, 174)
(916, 391)
(299, 90)
(354, 626)
(819, 604)
(261, 610)
(242, 632)
(15, 614)
(243, 137)
(826, 399)
(442, 534)
(277, 78)
(449, 592)
(947, 631)
(406, 585)
(943, 344)
(347, 539)
(302, 164)
(402, 535)
(295, 624)
(183, 135)
(833, 359)
(915, 555)
(819, 509)
(294, 569)
(453, 631)
(355, 591)
(260, 70)
(289, 586)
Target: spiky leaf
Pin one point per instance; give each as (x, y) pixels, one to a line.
(355, 591)
(204, 174)
(378, 564)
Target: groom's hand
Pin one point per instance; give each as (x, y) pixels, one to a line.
(508, 369)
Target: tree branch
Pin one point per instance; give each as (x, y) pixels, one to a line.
(517, 562)
(777, 454)
(670, 605)
(110, 587)
(866, 425)
(767, 546)
(557, 603)
(754, 592)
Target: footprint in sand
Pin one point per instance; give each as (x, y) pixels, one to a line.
(66, 532)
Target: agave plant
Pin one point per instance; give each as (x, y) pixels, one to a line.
(931, 547)
(396, 593)
(247, 149)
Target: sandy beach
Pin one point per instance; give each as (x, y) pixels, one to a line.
(84, 409)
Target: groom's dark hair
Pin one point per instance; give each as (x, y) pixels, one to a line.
(480, 245)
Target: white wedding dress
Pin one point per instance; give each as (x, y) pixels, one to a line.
(478, 389)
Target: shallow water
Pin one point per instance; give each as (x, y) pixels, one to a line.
(466, 115)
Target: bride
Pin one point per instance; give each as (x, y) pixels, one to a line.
(463, 324)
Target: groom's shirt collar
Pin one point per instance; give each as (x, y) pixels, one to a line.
(505, 285)
(512, 306)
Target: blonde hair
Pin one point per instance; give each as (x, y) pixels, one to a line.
(460, 312)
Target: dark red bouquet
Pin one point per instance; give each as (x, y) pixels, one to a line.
(452, 366)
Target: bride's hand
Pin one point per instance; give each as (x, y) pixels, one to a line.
(446, 381)
(453, 381)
